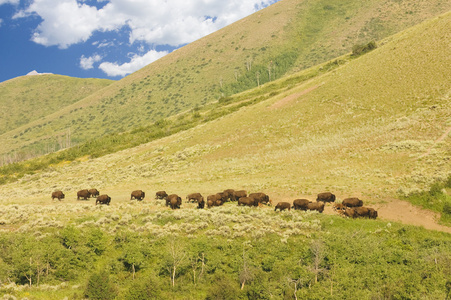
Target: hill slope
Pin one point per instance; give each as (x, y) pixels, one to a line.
(285, 37)
(375, 126)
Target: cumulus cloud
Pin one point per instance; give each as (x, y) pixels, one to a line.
(87, 63)
(137, 62)
(175, 22)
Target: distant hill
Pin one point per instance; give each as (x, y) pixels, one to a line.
(29, 98)
(281, 39)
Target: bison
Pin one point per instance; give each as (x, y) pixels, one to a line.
(260, 198)
(58, 195)
(282, 206)
(352, 202)
(238, 194)
(195, 197)
(229, 194)
(372, 213)
(161, 195)
(361, 211)
(325, 197)
(318, 206)
(339, 207)
(201, 204)
(247, 201)
(93, 193)
(83, 194)
(138, 195)
(301, 204)
(103, 199)
(349, 212)
(174, 201)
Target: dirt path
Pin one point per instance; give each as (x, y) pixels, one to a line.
(402, 211)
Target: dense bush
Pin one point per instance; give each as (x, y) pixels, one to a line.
(363, 48)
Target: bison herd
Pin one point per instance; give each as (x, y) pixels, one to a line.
(349, 207)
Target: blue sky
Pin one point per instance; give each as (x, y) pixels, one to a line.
(105, 38)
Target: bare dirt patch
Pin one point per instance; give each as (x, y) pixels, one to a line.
(292, 97)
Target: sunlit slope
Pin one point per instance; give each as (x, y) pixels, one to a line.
(29, 98)
(285, 37)
(375, 126)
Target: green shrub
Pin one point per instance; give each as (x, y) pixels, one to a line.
(363, 48)
(99, 287)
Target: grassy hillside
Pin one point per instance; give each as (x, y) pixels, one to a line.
(285, 37)
(372, 127)
(29, 98)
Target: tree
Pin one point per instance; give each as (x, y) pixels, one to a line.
(99, 286)
(177, 257)
(318, 253)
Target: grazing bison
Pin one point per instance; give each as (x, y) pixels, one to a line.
(362, 211)
(93, 193)
(103, 199)
(372, 213)
(229, 194)
(247, 201)
(301, 204)
(325, 197)
(352, 202)
(339, 207)
(318, 206)
(58, 195)
(349, 212)
(195, 197)
(282, 206)
(260, 198)
(83, 194)
(201, 204)
(174, 201)
(138, 195)
(238, 194)
(161, 195)
(217, 199)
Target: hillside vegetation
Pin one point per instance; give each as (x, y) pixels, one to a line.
(283, 38)
(374, 126)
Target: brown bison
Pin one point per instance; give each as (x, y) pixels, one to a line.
(247, 201)
(195, 197)
(260, 198)
(229, 194)
(318, 206)
(362, 211)
(349, 212)
(372, 213)
(352, 202)
(103, 199)
(201, 204)
(216, 199)
(161, 195)
(83, 194)
(282, 206)
(339, 207)
(238, 194)
(93, 193)
(325, 197)
(174, 201)
(301, 204)
(58, 195)
(138, 195)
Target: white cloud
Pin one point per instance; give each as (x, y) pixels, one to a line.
(87, 63)
(175, 22)
(137, 62)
